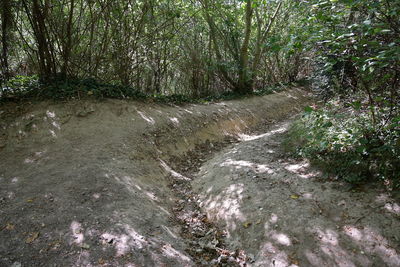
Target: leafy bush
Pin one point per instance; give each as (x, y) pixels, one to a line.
(343, 140)
(22, 87)
(18, 86)
(60, 88)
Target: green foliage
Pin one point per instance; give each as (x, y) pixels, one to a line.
(357, 43)
(346, 142)
(81, 88)
(30, 87)
(159, 47)
(18, 86)
(22, 87)
(356, 54)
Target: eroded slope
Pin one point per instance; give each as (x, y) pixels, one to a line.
(86, 183)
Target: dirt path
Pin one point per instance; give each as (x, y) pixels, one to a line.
(280, 212)
(88, 183)
(124, 183)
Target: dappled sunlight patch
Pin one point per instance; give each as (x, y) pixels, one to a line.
(296, 168)
(225, 206)
(53, 133)
(51, 114)
(245, 137)
(328, 237)
(272, 256)
(315, 259)
(164, 210)
(188, 111)
(53, 120)
(170, 252)
(382, 198)
(152, 196)
(34, 157)
(339, 255)
(10, 195)
(77, 233)
(302, 169)
(372, 242)
(175, 121)
(56, 125)
(146, 118)
(126, 241)
(175, 174)
(21, 134)
(307, 196)
(83, 259)
(133, 186)
(127, 181)
(166, 228)
(281, 239)
(210, 189)
(329, 245)
(388, 203)
(393, 208)
(274, 218)
(238, 164)
(292, 96)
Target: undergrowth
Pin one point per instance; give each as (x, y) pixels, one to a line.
(30, 87)
(344, 141)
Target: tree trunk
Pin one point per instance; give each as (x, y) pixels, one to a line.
(261, 37)
(244, 84)
(68, 44)
(37, 16)
(5, 29)
(217, 50)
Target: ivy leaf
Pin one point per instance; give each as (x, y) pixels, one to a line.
(356, 105)
(308, 109)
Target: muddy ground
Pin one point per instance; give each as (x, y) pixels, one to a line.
(124, 183)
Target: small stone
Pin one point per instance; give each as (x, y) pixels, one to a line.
(16, 264)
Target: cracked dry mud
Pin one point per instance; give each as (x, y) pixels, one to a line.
(136, 184)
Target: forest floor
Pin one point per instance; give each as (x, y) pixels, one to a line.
(124, 183)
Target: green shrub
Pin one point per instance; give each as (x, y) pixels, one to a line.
(60, 88)
(18, 86)
(345, 141)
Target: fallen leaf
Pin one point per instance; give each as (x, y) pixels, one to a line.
(54, 245)
(154, 233)
(293, 260)
(101, 261)
(294, 196)
(29, 200)
(32, 237)
(258, 222)
(10, 226)
(246, 224)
